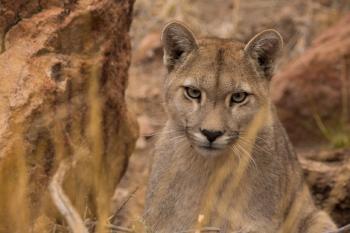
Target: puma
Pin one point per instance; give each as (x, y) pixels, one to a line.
(223, 160)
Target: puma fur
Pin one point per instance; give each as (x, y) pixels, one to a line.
(223, 159)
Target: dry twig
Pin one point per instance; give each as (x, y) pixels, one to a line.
(62, 202)
(113, 217)
(343, 229)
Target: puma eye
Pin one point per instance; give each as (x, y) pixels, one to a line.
(238, 97)
(192, 93)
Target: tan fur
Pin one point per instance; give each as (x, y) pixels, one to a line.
(252, 182)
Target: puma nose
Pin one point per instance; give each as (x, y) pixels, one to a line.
(211, 135)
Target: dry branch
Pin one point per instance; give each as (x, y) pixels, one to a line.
(62, 202)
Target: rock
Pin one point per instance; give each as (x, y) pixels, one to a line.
(63, 74)
(315, 84)
(328, 174)
(146, 131)
(149, 48)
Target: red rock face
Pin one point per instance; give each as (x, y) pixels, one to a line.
(313, 84)
(63, 74)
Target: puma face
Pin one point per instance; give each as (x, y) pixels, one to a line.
(216, 86)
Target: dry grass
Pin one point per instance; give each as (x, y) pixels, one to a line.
(80, 189)
(338, 133)
(14, 202)
(17, 216)
(15, 193)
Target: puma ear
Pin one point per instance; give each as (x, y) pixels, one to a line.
(264, 49)
(178, 41)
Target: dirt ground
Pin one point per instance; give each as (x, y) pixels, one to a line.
(147, 72)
